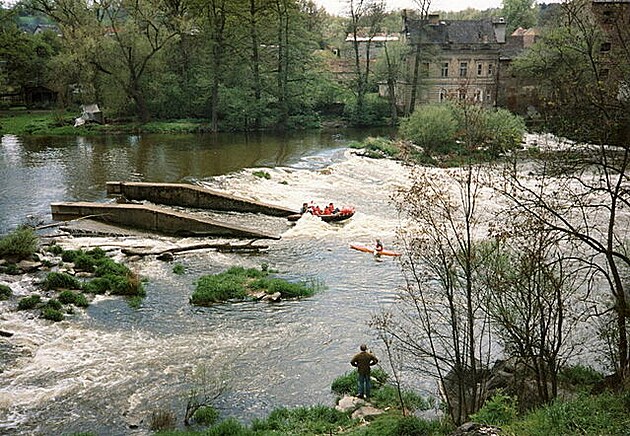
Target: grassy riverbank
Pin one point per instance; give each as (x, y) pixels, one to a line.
(57, 123)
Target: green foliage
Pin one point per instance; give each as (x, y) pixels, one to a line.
(20, 244)
(374, 112)
(179, 269)
(55, 249)
(387, 396)
(52, 314)
(53, 303)
(237, 282)
(463, 128)
(499, 410)
(5, 292)
(55, 280)
(206, 415)
(29, 302)
(262, 174)
(128, 285)
(393, 424)
(75, 298)
(302, 421)
(108, 267)
(229, 427)
(432, 127)
(377, 148)
(580, 376)
(98, 285)
(605, 414)
(346, 384)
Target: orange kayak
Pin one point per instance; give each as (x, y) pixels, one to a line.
(365, 249)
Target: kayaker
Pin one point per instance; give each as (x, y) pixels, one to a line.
(378, 248)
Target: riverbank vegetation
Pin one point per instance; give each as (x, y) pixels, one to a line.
(238, 283)
(20, 253)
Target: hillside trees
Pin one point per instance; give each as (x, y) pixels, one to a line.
(583, 192)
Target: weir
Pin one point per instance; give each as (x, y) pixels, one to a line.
(181, 194)
(153, 218)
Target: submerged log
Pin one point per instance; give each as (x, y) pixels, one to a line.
(225, 247)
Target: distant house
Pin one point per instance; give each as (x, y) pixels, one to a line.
(459, 59)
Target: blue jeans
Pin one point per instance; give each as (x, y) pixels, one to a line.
(364, 385)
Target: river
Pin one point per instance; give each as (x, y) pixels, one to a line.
(112, 365)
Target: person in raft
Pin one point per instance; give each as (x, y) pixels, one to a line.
(363, 361)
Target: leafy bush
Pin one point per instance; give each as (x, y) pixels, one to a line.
(397, 425)
(229, 427)
(56, 280)
(53, 303)
(499, 410)
(5, 292)
(286, 289)
(55, 249)
(129, 285)
(179, 269)
(377, 148)
(206, 415)
(98, 285)
(52, 314)
(75, 298)
(387, 396)
(108, 267)
(433, 127)
(580, 376)
(20, 244)
(29, 302)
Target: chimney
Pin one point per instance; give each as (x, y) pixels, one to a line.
(499, 30)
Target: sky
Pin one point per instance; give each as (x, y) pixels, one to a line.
(337, 7)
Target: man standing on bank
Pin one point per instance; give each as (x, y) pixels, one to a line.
(363, 361)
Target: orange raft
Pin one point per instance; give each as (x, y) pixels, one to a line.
(344, 214)
(365, 249)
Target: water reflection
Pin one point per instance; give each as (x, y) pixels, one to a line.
(36, 171)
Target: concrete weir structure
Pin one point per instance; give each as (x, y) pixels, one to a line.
(153, 218)
(181, 194)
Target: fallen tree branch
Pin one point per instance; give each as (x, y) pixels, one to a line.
(219, 247)
(60, 223)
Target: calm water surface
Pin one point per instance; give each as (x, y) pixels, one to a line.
(110, 366)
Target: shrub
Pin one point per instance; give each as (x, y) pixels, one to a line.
(52, 314)
(84, 262)
(217, 288)
(69, 255)
(56, 280)
(75, 298)
(206, 415)
(286, 289)
(129, 285)
(55, 249)
(20, 244)
(108, 267)
(580, 376)
(346, 384)
(499, 410)
(179, 269)
(387, 396)
(53, 303)
(433, 127)
(262, 174)
(162, 420)
(98, 285)
(302, 420)
(29, 302)
(5, 292)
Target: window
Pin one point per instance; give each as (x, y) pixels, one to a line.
(443, 95)
(490, 69)
(478, 95)
(445, 69)
(462, 94)
(425, 69)
(479, 69)
(463, 69)
(605, 47)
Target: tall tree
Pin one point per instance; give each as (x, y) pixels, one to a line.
(423, 10)
(519, 13)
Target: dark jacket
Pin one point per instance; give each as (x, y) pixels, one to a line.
(363, 361)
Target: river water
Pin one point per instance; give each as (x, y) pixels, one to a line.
(111, 365)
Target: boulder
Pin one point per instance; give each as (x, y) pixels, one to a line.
(474, 429)
(166, 256)
(273, 298)
(348, 402)
(29, 265)
(366, 411)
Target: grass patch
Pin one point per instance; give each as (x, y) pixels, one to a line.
(377, 148)
(262, 174)
(30, 302)
(303, 421)
(179, 269)
(605, 414)
(74, 298)
(56, 280)
(206, 415)
(5, 292)
(239, 283)
(20, 244)
(346, 384)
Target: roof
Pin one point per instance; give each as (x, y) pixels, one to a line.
(376, 38)
(452, 31)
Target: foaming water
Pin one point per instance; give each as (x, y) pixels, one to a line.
(110, 366)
